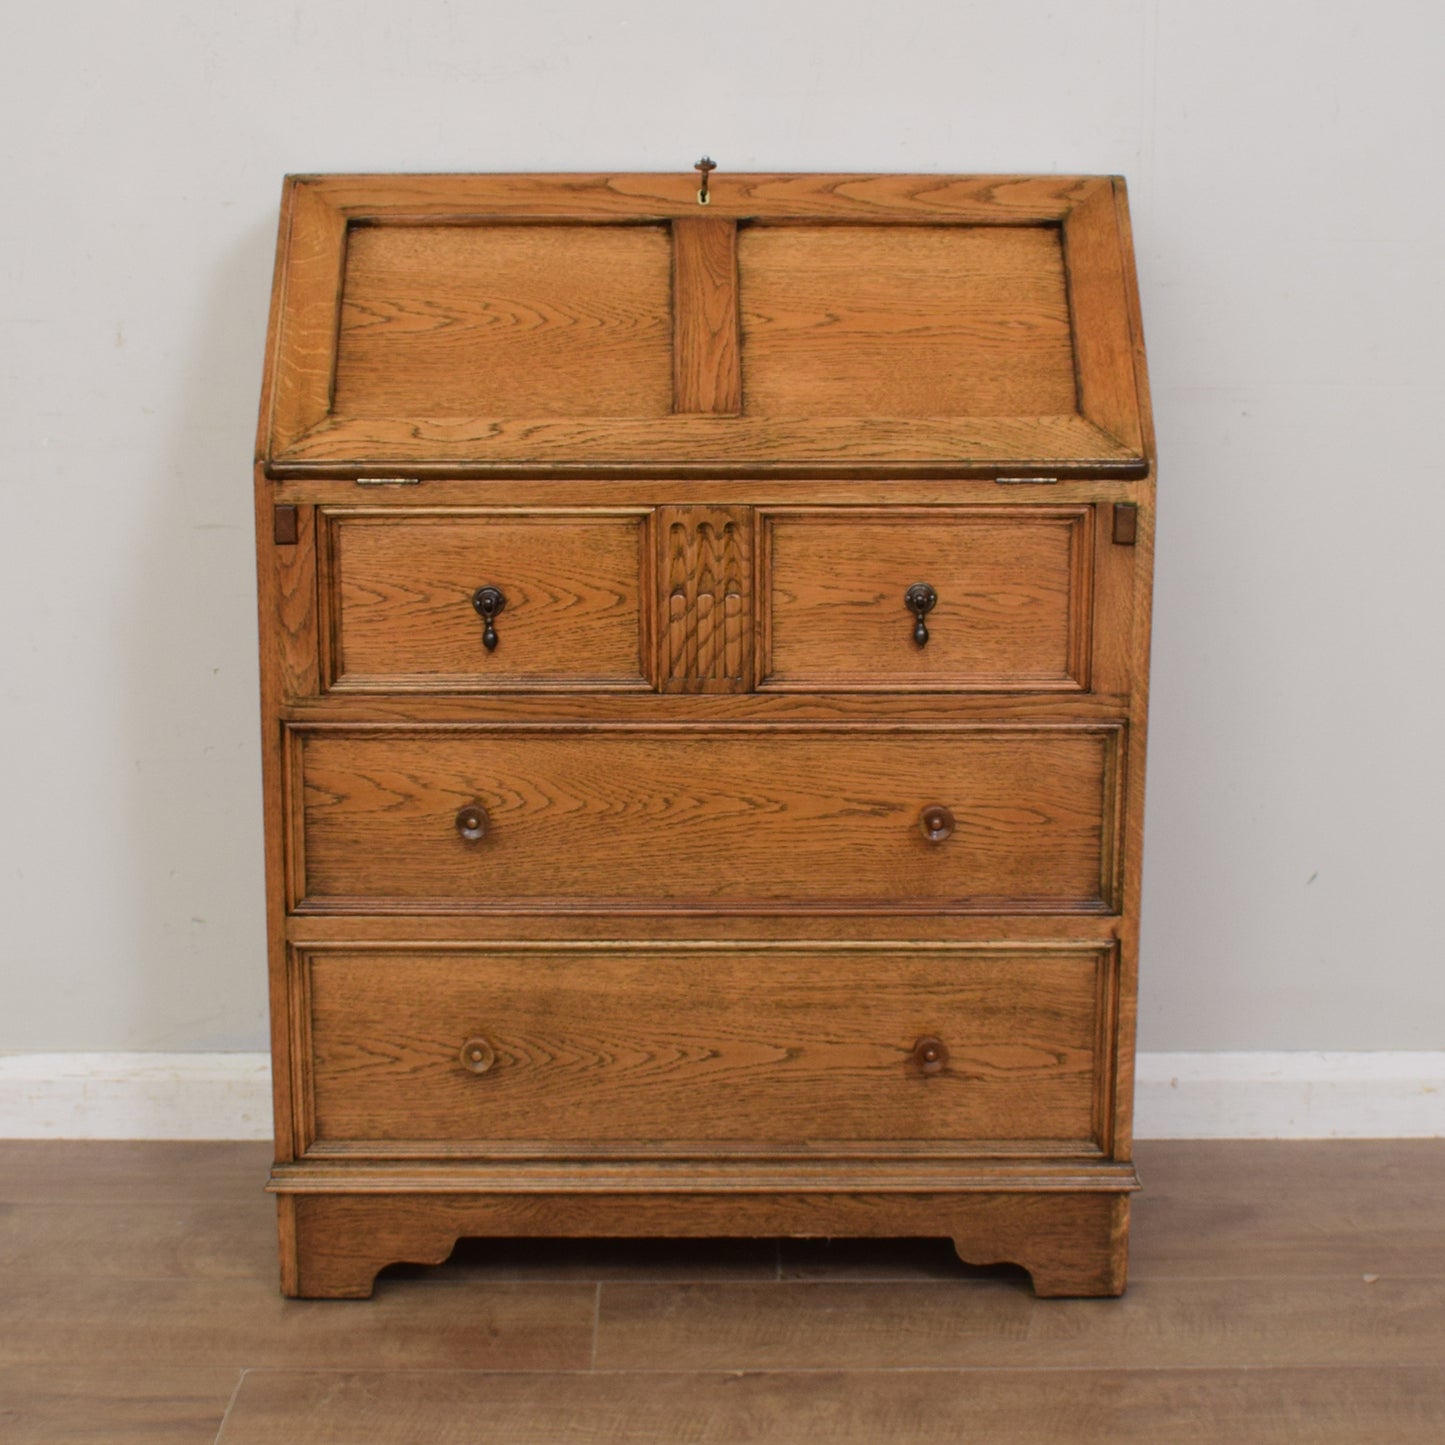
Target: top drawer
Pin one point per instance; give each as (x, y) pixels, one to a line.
(405, 611)
(1003, 599)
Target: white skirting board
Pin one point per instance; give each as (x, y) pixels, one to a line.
(1179, 1096)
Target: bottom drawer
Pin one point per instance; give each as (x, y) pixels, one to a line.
(680, 1050)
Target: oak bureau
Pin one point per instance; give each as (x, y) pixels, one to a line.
(704, 635)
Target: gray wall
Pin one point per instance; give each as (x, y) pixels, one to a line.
(1284, 169)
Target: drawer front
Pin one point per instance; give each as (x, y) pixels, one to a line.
(1009, 608)
(399, 594)
(958, 818)
(636, 1049)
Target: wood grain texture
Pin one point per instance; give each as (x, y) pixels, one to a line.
(856, 196)
(1014, 587)
(533, 321)
(705, 1050)
(162, 1172)
(1233, 1324)
(90, 1404)
(644, 487)
(492, 445)
(189, 1324)
(1289, 1209)
(397, 593)
(1098, 302)
(294, 607)
(1071, 1243)
(855, 1407)
(94, 1237)
(301, 360)
(479, 328)
(289, 656)
(705, 599)
(905, 321)
(608, 818)
(707, 365)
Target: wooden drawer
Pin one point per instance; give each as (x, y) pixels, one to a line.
(776, 817)
(398, 590)
(1012, 585)
(640, 1049)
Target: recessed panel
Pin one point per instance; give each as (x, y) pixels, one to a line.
(1002, 598)
(956, 819)
(498, 320)
(905, 321)
(646, 1050)
(402, 600)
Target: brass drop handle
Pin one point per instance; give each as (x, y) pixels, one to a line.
(920, 599)
(930, 1054)
(489, 601)
(935, 822)
(472, 822)
(478, 1055)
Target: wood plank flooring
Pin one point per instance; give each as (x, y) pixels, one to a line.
(1280, 1292)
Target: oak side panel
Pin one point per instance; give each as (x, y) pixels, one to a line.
(286, 599)
(1140, 635)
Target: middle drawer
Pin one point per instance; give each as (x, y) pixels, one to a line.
(877, 817)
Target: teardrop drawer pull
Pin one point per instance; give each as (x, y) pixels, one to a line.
(930, 1054)
(919, 600)
(478, 1056)
(472, 822)
(935, 822)
(489, 601)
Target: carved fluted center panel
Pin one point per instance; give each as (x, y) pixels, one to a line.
(705, 572)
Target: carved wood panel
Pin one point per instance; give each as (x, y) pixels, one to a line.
(705, 577)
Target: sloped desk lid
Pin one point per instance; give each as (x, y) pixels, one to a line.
(796, 324)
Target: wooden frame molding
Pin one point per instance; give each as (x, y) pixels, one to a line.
(711, 432)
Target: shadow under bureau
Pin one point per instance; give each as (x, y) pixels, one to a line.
(704, 651)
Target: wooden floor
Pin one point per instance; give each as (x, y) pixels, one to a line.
(1279, 1293)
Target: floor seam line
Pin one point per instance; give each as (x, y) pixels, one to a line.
(230, 1405)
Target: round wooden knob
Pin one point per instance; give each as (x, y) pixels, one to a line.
(930, 1054)
(478, 1056)
(935, 822)
(472, 822)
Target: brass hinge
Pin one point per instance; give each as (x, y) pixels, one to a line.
(388, 481)
(1027, 481)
